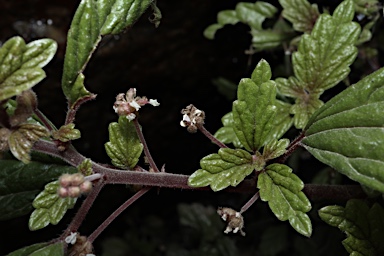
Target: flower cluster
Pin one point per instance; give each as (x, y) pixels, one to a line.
(234, 219)
(73, 185)
(81, 245)
(192, 118)
(127, 105)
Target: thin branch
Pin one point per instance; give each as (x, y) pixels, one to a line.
(96, 233)
(211, 137)
(291, 148)
(83, 210)
(43, 119)
(250, 202)
(146, 149)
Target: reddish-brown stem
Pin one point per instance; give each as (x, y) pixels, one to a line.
(43, 119)
(96, 233)
(171, 180)
(83, 210)
(72, 110)
(250, 202)
(146, 149)
(211, 137)
(291, 148)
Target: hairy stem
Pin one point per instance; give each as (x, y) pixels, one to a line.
(146, 149)
(250, 202)
(291, 148)
(211, 137)
(116, 213)
(83, 210)
(171, 180)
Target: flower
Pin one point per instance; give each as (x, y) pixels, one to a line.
(192, 118)
(127, 105)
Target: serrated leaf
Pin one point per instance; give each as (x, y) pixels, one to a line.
(248, 13)
(20, 64)
(124, 146)
(22, 139)
(227, 168)
(27, 250)
(93, 19)
(282, 190)
(323, 57)
(254, 112)
(226, 134)
(282, 121)
(66, 133)
(275, 148)
(363, 226)
(347, 132)
(49, 207)
(300, 13)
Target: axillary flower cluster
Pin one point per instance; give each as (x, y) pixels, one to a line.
(128, 104)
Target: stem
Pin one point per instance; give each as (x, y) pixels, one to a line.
(116, 213)
(146, 149)
(83, 210)
(44, 119)
(211, 137)
(171, 180)
(250, 202)
(291, 148)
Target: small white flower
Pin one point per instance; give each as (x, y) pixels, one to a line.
(71, 239)
(115, 109)
(135, 105)
(131, 117)
(154, 103)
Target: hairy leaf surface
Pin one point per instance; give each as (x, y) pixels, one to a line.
(282, 190)
(227, 168)
(124, 146)
(92, 20)
(363, 226)
(21, 64)
(300, 13)
(254, 109)
(28, 249)
(347, 133)
(49, 207)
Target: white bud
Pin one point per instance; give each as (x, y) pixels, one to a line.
(71, 239)
(154, 103)
(135, 105)
(131, 117)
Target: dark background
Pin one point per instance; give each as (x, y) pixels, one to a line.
(174, 64)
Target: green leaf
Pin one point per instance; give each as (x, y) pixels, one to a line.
(21, 140)
(226, 134)
(124, 146)
(93, 19)
(347, 132)
(56, 249)
(21, 64)
(282, 121)
(363, 226)
(282, 190)
(122, 14)
(22, 182)
(27, 250)
(227, 168)
(248, 13)
(66, 133)
(300, 13)
(254, 111)
(49, 207)
(275, 148)
(323, 57)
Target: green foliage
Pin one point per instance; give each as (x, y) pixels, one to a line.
(66, 133)
(49, 207)
(20, 183)
(228, 167)
(92, 20)
(124, 146)
(322, 61)
(21, 64)
(226, 134)
(363, 225)
(282, 190)
(300, 13)
(254, 109)
(347, 132)
(28, 249)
